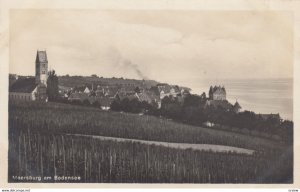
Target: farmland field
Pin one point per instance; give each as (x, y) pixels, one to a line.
(40, 145)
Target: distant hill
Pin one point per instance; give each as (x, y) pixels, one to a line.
(72, 81)
(14, 77)
(66, 81)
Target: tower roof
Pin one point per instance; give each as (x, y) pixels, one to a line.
(237, 105)
(217, 89)
(41, 56)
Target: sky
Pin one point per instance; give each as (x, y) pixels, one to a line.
(167, 46)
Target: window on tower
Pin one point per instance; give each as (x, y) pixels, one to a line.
(43, 72)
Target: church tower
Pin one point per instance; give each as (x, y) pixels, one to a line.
(41, 68)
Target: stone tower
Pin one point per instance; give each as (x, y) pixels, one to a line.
(41, 68)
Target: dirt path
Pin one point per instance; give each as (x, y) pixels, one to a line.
(201, 147)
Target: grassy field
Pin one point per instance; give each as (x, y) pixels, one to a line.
(39, 146)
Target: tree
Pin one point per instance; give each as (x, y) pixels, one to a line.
(96, 104)
(52, 86)
(137, 90)
(194, 100)
(203, 96)
(86, 102)
(210, 93)
(115, 105)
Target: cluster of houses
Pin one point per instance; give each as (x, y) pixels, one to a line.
(104, 95)
(32, 89)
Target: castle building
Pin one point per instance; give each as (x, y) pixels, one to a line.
(217, 93)
(217, 98)
(32, 88)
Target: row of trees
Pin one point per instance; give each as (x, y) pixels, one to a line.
(193, 110)
(132, 106)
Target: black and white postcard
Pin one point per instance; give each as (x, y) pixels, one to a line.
(150, 95)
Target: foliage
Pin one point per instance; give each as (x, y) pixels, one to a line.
(131, 105)
(62, 118)
(193, 111)
(137, 90)
(52, 86)
(86, 102)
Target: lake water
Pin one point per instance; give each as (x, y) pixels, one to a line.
(258, 95)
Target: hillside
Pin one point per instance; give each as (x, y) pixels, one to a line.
(70, 119)
(43, 132)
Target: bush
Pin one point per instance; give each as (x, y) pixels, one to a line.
(86, 102)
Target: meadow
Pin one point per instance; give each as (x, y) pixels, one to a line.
(39, 146)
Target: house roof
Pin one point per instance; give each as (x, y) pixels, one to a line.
(147, 96)
(152, 95)
(127, 89)
(111, 91)
(41, 56)
(218, 89)
(99, 93)
(185, 91)
(130, 96)
(267, 116)
(26, 85)
(176, 88)
(154, 90)
(79, 96)
(164, 87)
(81, 88)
